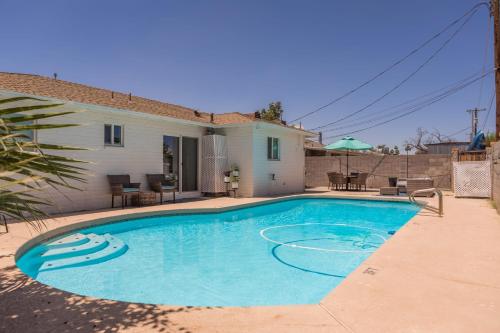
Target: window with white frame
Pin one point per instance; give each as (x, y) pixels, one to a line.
(273, 149)
(113, 135)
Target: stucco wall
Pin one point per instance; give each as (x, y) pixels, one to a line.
(380, 168)
(141, 153)
(289, 170)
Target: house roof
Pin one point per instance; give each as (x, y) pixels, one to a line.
(64, 90)
(310, 144)
(232, 118)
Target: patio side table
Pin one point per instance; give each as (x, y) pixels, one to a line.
(144, 198)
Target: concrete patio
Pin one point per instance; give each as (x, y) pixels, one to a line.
(436, 274)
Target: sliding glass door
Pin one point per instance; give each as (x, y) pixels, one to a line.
(180, 157)
(189, 164)
(171, 155)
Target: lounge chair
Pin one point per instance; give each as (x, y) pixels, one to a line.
(122, 187)
(160, 184)
(337, 179)
(359, 181)
(415, 184)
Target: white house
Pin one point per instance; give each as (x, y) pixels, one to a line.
(126, 134)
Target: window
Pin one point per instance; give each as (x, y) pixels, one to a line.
(28, 134)
(113, 135)
(273, 149)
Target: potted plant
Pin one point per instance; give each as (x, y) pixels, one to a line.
(235, 176)
(227, 176)
(235, 170)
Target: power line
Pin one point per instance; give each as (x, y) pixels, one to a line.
(378, 117)
(449, 136)
(489, 109)
(406, 79)
(396, 63)
(415, 109)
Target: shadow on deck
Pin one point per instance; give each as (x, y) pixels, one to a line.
(29, 306)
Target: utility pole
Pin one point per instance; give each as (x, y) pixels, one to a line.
(494, 11)
(475, 120)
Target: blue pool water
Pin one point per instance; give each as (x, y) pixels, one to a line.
(289, 252)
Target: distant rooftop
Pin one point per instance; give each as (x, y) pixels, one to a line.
(452, 143)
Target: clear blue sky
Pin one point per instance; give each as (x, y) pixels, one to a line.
(225, 56)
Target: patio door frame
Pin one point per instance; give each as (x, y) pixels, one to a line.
(180, 175)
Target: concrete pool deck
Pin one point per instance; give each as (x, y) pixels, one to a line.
(436, 274)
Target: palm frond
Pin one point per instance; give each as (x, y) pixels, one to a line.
(25, 169)
(20, 98)
(30, 117)
(21, 109)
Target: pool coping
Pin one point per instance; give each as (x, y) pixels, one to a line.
(49, 234)
(422, 280)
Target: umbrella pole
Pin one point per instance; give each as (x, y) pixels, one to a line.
(347, 171)
(347, 164)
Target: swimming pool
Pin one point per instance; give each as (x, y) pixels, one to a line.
(287, 252)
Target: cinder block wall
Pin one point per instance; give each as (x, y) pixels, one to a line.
(438, 167)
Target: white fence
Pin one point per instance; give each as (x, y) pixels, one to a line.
(472, 179)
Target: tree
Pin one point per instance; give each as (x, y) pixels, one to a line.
(436, 137)
(423, 137)
(417, 142)
(25, 167)
(273, 112)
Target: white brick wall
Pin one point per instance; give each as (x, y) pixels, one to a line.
(289, 170)
(141, 153)
(240, 152)
(247, 147)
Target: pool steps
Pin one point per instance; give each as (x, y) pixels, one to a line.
(71, 240)
(93, 244)
(79, 250)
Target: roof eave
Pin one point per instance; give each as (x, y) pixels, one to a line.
(98, 107)
(142, 114)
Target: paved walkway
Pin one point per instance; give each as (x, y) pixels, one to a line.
(435, 275)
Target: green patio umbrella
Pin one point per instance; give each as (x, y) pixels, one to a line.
(348, 143)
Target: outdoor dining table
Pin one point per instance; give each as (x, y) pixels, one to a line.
(349, 178)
